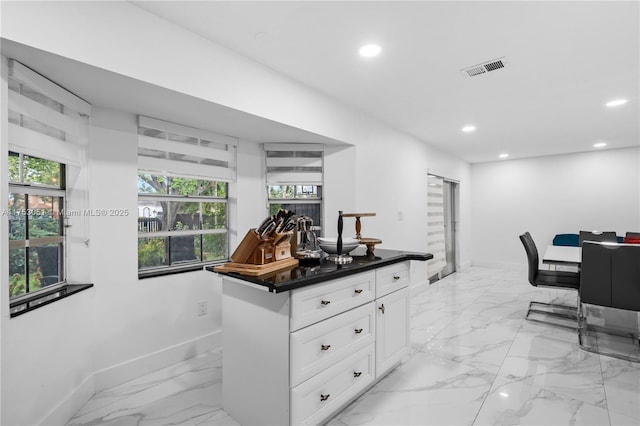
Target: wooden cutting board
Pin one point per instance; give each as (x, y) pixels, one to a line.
(256, 270)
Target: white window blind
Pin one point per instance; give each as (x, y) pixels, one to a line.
(171, 149)
(45, 120)
(435, 225)
(294, 163)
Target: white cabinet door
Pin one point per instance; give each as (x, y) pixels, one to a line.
(392, 330)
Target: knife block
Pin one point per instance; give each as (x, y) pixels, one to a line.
(256, 251)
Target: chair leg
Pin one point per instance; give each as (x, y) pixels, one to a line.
(584, 327)
(569, 312)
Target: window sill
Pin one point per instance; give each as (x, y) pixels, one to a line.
(151, 273)
(42, 298)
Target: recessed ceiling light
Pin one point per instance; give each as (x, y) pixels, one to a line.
(370, 50)
(599, 144)
(616, 102)
(468, 129)
(505, 155)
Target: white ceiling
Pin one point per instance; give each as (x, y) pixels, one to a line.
(565, 60)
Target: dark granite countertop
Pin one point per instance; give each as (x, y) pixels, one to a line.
(307, 273)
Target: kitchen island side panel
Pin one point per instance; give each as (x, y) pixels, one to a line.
(255, 377)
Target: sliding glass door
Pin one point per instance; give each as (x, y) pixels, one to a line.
(442, 197)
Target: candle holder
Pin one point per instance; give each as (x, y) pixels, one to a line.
(339, 258)
(369, 242)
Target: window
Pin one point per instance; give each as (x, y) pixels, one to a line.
(305, 200)
(182, 197)
(36, 232)
(294, 180)
(47, 138)
(180, 221)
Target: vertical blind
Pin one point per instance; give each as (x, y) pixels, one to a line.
(45, 120)
(294, 163)
(171, 149)
(435, 225)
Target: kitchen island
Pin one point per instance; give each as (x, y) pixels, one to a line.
(300, 344)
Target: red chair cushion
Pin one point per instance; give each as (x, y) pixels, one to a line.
(632, 240)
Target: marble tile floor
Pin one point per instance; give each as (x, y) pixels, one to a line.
(474, 361)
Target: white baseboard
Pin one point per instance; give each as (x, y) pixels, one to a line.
(129, 370)
(137, 367)
(70, 405)
(501, 265)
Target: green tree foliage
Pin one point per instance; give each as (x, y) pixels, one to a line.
(181, 215)
(34, 170)
(45, 220)
(150, 252)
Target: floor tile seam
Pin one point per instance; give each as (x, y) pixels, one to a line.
(496, 374)
(444, 327)
(604, 389)
(452, 320)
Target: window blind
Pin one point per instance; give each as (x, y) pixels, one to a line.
(435, 225)
(45, 120)
(172, 149)
(294, 163)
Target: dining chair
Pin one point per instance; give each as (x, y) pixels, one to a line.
(551, 279)
(599, 236)
(609, 279)
(570, 240)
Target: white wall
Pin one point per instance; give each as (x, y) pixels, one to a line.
(139, 324)
(597, 190)
(134, 317)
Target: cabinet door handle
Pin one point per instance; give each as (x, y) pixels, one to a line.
(357, 373)
(325, 302)
(396, 277)
(381, 308)
(358, 330)
(325, 347)
(324, 397)
(358, 290)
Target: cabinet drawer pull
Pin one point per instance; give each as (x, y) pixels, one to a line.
(325, 302)
(358, 330)
(324, 397)
(396, 277)
(357, 373)
(325, 347)
(381, 308)
(358, 290)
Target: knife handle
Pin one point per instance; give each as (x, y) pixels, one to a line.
(339, 242)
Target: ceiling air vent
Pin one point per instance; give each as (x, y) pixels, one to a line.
(493, 65)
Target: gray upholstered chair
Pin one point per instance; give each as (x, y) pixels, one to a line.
(610, 278)
(608, 236)
(553, 279)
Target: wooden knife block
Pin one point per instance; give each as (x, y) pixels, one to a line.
(256, 251)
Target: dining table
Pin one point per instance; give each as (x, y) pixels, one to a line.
(562, 255)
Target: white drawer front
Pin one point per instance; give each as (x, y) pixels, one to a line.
(392, 278)
(319, 397)
(319, 346)
(317, 302)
